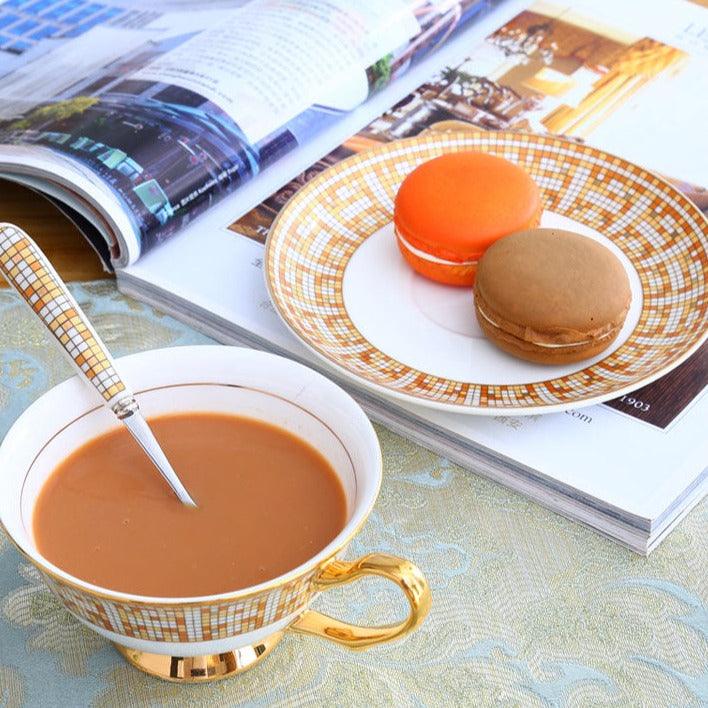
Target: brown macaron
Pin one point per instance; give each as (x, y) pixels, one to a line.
(551, 296)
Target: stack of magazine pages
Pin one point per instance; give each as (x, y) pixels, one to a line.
(174, 136)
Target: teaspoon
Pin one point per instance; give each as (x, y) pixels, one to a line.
(28, 270)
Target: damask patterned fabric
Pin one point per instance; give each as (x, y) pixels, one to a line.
(528, 609)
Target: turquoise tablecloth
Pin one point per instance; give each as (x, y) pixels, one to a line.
(529, 609)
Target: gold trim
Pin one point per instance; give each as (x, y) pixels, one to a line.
(402, 572)
(200, 669)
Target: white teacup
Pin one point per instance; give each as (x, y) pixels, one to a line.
(200, 638)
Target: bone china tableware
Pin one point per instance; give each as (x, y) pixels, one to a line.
(201, 638)
(27, 269)
(339, 283)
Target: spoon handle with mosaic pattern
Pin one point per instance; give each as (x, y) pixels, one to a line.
(28, 270)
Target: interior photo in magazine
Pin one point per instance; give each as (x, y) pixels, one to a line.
(541, 72)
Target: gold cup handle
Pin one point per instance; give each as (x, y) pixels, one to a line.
(338, 572)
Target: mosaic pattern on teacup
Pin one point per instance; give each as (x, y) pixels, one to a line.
(202, 621)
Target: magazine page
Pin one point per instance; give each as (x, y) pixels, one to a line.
(513, 79)
(174, 110)
(45, 49)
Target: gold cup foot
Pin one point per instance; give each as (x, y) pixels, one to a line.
(199, 669)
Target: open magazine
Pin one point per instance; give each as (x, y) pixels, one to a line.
(186, 115)
(163, 113)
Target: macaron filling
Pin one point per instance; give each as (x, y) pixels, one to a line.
(547, 345)
(429, 257)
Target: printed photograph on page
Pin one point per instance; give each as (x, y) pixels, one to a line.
(175, 110)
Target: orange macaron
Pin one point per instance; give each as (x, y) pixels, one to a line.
(449, 210)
